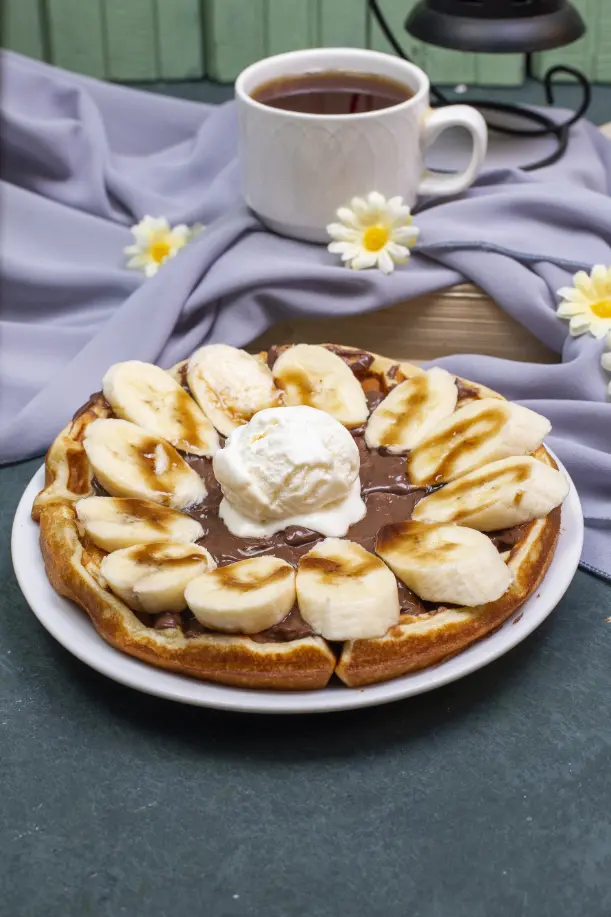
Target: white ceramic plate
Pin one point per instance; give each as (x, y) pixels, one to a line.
(71, 627)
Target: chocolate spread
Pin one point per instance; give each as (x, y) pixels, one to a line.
(388, 496)
(505, 539)
(386, 491)
(465, 390)
(293, 627)
(96, 400)
(166, 620)
(359, 361)
(272, 355)
(182, 376)
(373, 399)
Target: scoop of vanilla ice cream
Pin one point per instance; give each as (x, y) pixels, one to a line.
(284, 465)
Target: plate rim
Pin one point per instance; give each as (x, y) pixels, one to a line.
(141, 676)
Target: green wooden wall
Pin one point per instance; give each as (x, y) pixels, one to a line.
(188, 39)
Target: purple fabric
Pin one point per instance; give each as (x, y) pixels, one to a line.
(83, 160)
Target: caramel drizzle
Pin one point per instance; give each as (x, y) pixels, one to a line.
(154, 554)
(79, 471)
(243, 581)
(185, 414)
(136, 510)
(452, 445)
(232, 411)
(333, 571)
(410, 410)
(298, 380)
(414, 539)
(235, 412)
(144, 454)
(512, 476)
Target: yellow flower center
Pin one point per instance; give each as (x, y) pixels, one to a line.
(159, 250)
(602, 308)
(375, 238)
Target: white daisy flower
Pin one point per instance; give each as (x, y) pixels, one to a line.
(155, 242)
(587, 304)
(373, 232)
(605, 360)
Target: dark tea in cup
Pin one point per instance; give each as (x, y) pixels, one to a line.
(321, 126)
(332, 92)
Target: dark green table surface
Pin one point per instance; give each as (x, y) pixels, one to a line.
(488, 798)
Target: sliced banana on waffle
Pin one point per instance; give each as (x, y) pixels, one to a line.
(497, 496)
(309, 374)
(153, 577)
(230, 385)
(481, 432)
(129, 462)
(151, 398)
(444, 563)
(345, 593)
(245, 597)
(121, 522)
(411, 410)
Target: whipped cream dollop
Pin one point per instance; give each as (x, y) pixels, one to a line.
(289, 466)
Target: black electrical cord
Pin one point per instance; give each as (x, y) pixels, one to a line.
(547, 125)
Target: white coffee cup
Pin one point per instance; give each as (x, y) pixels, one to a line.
(299, 168)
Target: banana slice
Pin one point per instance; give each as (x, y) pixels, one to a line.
(346, 593)
(497, 496)
(246, 597)
(121, 522)
(481, 432)
(411, 411)
(309, 374)
(444, 563)
(129, 462)
(153, 577)
(151, 398)
(230, 385)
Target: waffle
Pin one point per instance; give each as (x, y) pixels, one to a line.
(289, 655)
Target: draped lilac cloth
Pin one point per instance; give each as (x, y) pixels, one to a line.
(83, 160)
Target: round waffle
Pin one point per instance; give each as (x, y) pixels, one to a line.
(288, 655)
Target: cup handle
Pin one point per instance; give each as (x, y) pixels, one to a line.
(437, 183)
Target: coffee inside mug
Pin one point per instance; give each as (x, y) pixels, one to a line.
(332, 92)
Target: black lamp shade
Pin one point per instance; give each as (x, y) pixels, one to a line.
(496, 25)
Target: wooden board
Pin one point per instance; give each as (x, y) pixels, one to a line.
(291, 24)
(235, 36)
(272, 26)
(602, 56)
(132, 39)
(180, 39)
(22, 27)
(343, 24)
(459, 320)
(395, 12)
(77, 37)
(165, 39)
(499, 69)
(451, 67)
